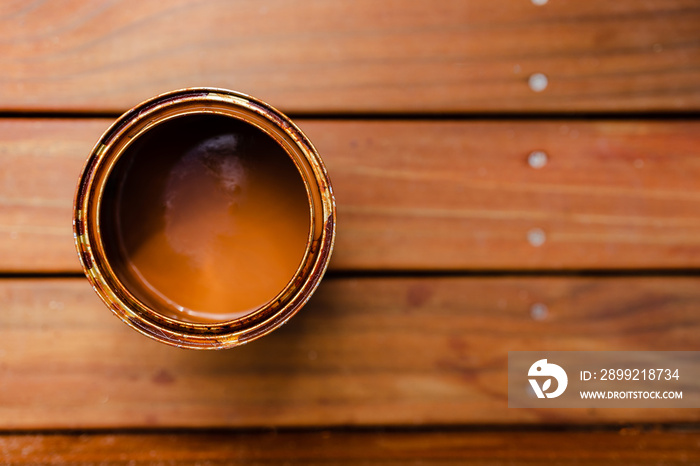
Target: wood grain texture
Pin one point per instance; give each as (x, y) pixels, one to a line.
(40, 162)
(374, 360)
(360, 56)
(364, 352)
(426, 195)
(517, 448)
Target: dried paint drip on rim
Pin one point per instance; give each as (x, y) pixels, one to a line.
(210, 218)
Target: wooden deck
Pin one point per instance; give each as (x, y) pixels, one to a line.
(449, 231)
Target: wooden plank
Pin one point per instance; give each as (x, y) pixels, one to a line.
(40, 161)
(416, 195)
(513, 448)
(364, 352)
(360, 56)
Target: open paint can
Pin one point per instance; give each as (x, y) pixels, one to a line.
(204, 218)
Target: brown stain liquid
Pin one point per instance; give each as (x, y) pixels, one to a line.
(207, 218)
